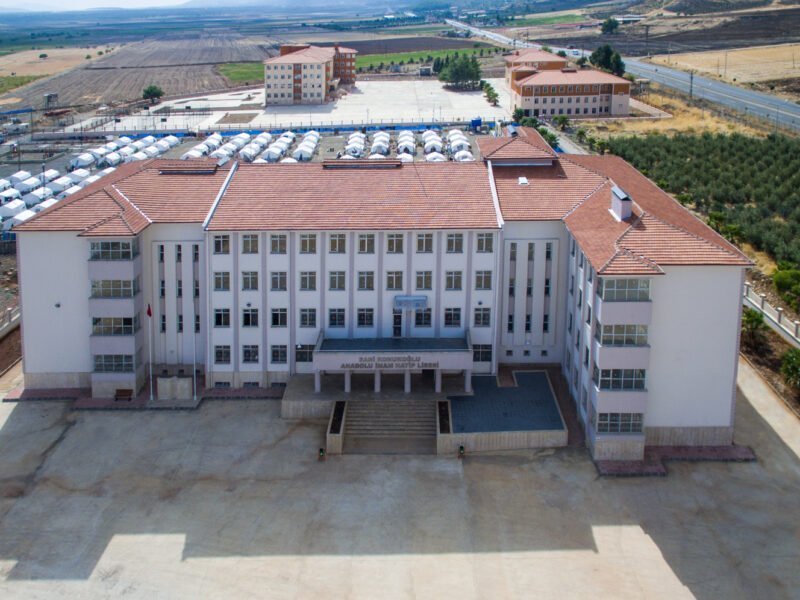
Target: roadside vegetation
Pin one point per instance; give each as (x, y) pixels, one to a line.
(241, 73)
(534, 21)
(380, 61)
(10, 82)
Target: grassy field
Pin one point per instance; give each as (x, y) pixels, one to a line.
(416, 29)
(551, 20)
(242, 72)
(9, 83)
(397, 57)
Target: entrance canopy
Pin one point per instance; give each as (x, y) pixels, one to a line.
(410, 302)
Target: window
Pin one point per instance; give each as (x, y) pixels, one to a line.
(249, 280)
(572, 284)
(250, 243)
(527, 323)
(308, 317)
(512, 251)
(625, 290)
(308, 244)
(308, 281)
(453, 280)
(222, 244)
(279, 317)
(304, 353)
(178, 253)
(547, 286)
(222, 281)
(394, 243)
(250, 317)
(180, 323)
(222, 317)
(580, 260)
(250, 354)
(485, 243)
(222, 355)
(588, 315)
(278, 281)
(197, 323)
(113, 363)
(580, 298)
(366, 243)
(530, 252)
(619, 379)
(279, 354)
(195, 253)
(162, 289)
(115, 325)
(422, 317)
(483, 280)
(548, 251)
(586, 357)
(452, 317)
(483, 317)
(115, 288)
(424, 243)
(161, 253)
(529, 287)
(394, 280)
(179, 288)
(113, 251)
(277, 243)
(366, 280)
(337, 243)
(510, 324)
(481, 352)
(336, 317)
(163, 327)
(569, 323)
(336, 281)
(424, 280)
(455, 243)
(511, 285)
(622, 335)
(619, 423)
(366, 317)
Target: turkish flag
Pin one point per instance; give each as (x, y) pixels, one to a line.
(149, 311)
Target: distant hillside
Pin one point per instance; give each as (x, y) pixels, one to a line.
(696, 7)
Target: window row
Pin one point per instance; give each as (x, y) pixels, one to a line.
(624, 290)
(179, 253)
(114, 250)
(179, 324)
(619, 379)
(115, 288)
(619, 422)
(115, 325)
(621, 335)
(337, 243)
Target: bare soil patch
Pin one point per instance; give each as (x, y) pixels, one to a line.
(10, 349)
(237, 118)
(767, 361)
(58, 60)
(408, 44)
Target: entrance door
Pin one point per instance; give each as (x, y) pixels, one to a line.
(397, 323)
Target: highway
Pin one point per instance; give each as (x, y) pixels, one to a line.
(782, 112)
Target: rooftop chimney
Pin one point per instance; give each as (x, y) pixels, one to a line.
(621, 204)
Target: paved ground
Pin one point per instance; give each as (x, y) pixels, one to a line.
(230, 501)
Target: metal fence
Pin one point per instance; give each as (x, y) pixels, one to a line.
(774, 317)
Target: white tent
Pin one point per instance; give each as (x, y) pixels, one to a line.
(111, 146)
(30, 184)
(242, 136)
(237, 143)
(347, 157)
(230, 147)
(138, 145)
(303, 153)
(406, 158)
(457, 138)
(357, 135)
(288, 160)
(259, 161)
(264, 138)
(106, 171)
(37, 196)
(148, 140)
(191, 155)
(381, 135)
(211, 143)
(59, 185)
(126, 152)
(4, 184)
(79, 175)
(273, 153)
(464, 156)
(215, 136)
(283, 142)
(124, 140)
(312, 132)
(248, 153)
(19, 177)
(202, 148)
(433, 146)
(46, 204)
(289, 134)
(459, 146)
(12, 208)
(48, 175)
(9, 196)
(89, 181)
(112, 159)
(406, 136)
(139, 156)
(151, 151)
(69, 191)
(18, 219)
(454, 132)
(221, 153)
(435, 157)
(162, 145)
(171, 140)
(376, 157)
(429, 133)
(98, 153)
(379, 148)
(82, 160)
(354, 150)
(406, 147)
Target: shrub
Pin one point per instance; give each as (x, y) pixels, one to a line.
(753, 329)
(790, 368)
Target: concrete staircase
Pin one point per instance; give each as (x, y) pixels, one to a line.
(390, 427)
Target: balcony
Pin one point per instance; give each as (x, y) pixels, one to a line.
(115, 307)
(614, 357)
(623, 401)
(115, 269)
(621, 312)
(116, 344)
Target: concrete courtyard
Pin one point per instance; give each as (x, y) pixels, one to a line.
(229, 501)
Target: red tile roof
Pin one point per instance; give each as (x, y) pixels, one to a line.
(527, 145)
(571, 77)
(534, 55)
(125, 202)
(366, 197)
(312, 54)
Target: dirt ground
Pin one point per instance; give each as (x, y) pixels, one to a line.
(741, 65)
(10, 349)
(57, 61)
(767, 361)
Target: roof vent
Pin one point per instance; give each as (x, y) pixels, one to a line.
(621, 204)
(523, 181)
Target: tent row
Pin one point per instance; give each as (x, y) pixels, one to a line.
(123, 150)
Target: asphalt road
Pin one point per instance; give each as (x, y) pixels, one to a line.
(782, 112)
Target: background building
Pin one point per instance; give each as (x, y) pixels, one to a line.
(253, 273)
(304, 74)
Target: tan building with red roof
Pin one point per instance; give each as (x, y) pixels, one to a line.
(251, 274)
(305, 74)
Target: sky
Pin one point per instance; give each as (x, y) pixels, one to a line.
(83, 4)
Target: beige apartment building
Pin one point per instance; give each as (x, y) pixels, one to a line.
(304, 74)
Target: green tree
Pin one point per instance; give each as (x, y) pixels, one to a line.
(561, 121)
(462, 72)
(562, 53)
(152, 93)
(609, 26)
(43, 56)
(518, 115)
(605, 57)
(753, 328)
(581, 134)
(581, 61)
(790, 368)
(617, 65)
